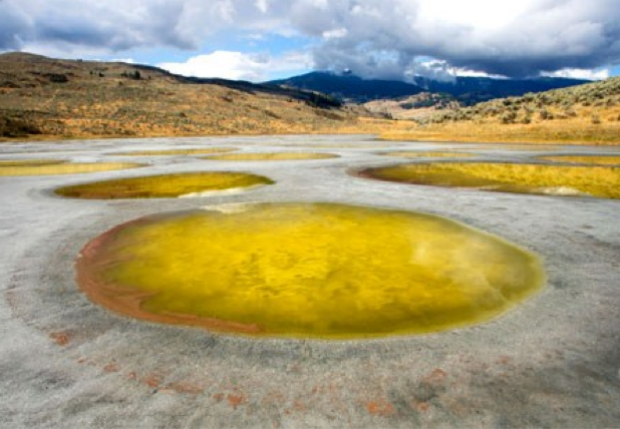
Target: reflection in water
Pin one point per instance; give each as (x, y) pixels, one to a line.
(61, 168)
(306, 270)
(165, 186)
(585, 159)
(177, 152)
(601, 182)
(272, 156)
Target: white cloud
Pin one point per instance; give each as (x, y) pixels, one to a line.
(481, 14)
(580, 74)
(511, 37)
(433, 69)
(122, 60)
(335, 34)
(65, 50)
(262, 5)
(240, 66)
(456, 71)
(516, 38)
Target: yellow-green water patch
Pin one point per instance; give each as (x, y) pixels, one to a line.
(164, 186)
(272, 156)
(598, 181)
(29, 162)
(169, 152)
(62, 168)
(418, 154)
(333, 146)
(532, 147)
(585, 159)
(307, 270)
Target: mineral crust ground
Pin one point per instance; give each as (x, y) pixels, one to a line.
(65, 361)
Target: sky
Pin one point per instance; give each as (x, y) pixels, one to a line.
(259, 40)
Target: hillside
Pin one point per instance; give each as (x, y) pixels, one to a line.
(472, 90)
(349, 88)
(467, 90)
(587, 113)
(75, 99)
(414, 107)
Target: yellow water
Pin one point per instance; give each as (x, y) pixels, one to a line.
(61, 168)
(29, 162)
(307, 270)
(414, 154)
(271, 156)
(533, 147)
(603, 182)
(585, 159)
(177, 152)
(335, 145)
(164, 186)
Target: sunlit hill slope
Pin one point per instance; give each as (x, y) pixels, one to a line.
(587, 113)
(51, 98)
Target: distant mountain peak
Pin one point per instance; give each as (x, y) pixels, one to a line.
(349, 87)
(468, 90)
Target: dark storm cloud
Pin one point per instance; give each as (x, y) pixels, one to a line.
(374, 38)
(14, 26)
(109, 24)
(547, 36)
(552, 36)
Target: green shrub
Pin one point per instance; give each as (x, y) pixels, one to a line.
(545, 115)
(509, 118)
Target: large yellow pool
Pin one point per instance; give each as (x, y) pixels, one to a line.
(306, 270)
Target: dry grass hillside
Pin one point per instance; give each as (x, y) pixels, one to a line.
(49, 98)
(417, 107)
(582, 114)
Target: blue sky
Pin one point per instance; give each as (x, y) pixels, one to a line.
(265, 39)
(227, 41)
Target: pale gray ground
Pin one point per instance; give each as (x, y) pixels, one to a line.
(66, 362)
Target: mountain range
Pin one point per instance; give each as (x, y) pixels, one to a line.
(466, 90)
(54, 98)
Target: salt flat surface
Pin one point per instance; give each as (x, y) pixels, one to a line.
(66, 362)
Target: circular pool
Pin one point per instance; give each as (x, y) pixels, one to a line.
(306, 270)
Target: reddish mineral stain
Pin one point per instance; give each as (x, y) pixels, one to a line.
(423, 406)
(185, 387)
(111, 367)
(235, 400)
(380, 407)
(60, 338)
